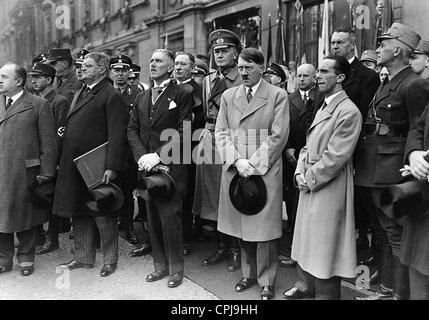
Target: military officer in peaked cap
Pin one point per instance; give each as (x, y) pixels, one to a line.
(226, 47)
(134, 78)
(119, 72)
(79, 61)
(420, 59)
(66, 80)
(40, 58)
(369, 59)
(397, 104)
(275, 74)
(43, 76)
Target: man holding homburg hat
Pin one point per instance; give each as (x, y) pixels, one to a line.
(251, 133)
(226, 47)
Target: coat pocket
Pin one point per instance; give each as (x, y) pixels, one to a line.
(390, 158)
(32, 170)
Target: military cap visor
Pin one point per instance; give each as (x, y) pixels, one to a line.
(41, 69)
(58, 54)
(423, 48)
(402, 33)
(223, 38)
(277, 70)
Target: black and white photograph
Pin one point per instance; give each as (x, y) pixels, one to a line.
(214, 154)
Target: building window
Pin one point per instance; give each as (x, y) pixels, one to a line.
(173, 42)
(303, 38)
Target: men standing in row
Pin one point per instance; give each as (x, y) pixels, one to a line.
(164, 107)
(226, 47)
(97, 114)
(119, 73)
(184, 64)
(324, 242)
(397, 104)
(66, 81)
(260, 112)
(43, 76)
(28, 160)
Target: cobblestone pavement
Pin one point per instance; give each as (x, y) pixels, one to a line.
(127, 283)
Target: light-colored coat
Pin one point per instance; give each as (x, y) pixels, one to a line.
(27, 149)
(259, 133)
(324, 239)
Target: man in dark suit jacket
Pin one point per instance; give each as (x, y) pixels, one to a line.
(165, 107)
(97, 114)
(396, 106)
(302, 106)
(66, 82)
(43, 76)
(28, 158)
(360, 87)
(184, 65)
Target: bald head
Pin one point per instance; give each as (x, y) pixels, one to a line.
(12, 79)
(306, 76)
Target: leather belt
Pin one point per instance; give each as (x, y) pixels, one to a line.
(211, 120)
(382, 129)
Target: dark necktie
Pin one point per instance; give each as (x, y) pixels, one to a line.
(9, 103)
(156, 92)
(59, 82)
(249, 95)
(305, 98)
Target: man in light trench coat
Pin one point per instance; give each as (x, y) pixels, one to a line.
(324, 242)
(259, 113)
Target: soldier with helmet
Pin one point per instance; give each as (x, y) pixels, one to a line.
(226, 47)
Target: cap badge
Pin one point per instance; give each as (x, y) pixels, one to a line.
(220, 40)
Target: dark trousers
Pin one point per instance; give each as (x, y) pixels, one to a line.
(166, 234)
(145, 239)
(128, 183)
(188, 217)
(26, 250)
(363, 210)
(85, 238)
(259, 261)
(419, 285)
(54, 226)
(323, 289)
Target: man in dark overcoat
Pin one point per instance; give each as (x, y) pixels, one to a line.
(43, 76)
(28, 156)
(184, 64)
(97, 115)
(165, 107)
(360, 87)
(396, 105)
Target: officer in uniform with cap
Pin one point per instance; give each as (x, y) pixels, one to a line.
(43, 76)
(119, 72)
(226, 46)
(134, 78)
(397, 104)
(200, 71)
(40, 58)
(78, 63)
(66, 81)
(275, 75)
(420, 59)
(369, 60)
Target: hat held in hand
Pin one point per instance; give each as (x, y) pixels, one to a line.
(157, 185)
(248, 195)
(106, 198)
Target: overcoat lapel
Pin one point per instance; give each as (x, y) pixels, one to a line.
(21, 105)
(326, 113)
(74, 101)
(258, 101)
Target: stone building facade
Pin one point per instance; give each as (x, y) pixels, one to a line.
(137, 27)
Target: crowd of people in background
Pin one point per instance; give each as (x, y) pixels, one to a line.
(316, 146)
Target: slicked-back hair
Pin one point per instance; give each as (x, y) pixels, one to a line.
(101, 59)
(252, 55)
(189, 55)
(346, 29)
(168, 53)
(20, 72)
(342, 66)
